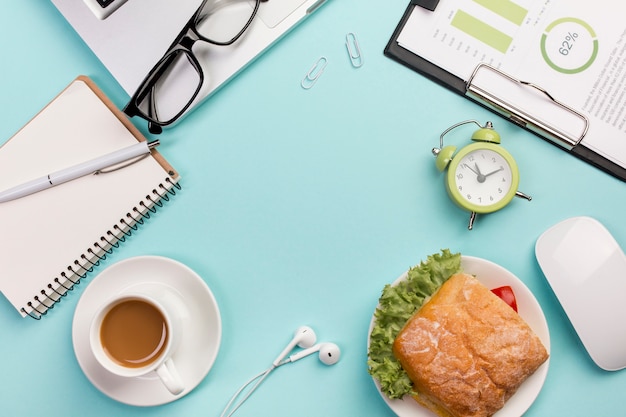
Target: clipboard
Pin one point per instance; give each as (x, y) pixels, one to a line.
(499, 104)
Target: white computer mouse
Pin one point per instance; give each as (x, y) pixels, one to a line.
(586, 269)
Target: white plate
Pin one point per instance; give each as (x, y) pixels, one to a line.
(201, 335)
(492, 276)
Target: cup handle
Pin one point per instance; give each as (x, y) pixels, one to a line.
(170, 377)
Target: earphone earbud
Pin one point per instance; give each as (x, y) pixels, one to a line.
(304, 338)
(329, 353)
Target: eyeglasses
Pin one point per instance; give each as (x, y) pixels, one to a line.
(175, 81)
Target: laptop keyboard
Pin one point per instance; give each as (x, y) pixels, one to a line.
(105, 3)
(103, 8)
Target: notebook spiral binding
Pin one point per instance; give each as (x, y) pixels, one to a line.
(98, 252)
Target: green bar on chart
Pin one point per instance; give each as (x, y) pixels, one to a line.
(507, 9)
(481, 31)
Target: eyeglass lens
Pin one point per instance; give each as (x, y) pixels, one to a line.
(221, 21)
(177, 83)
(177, 78)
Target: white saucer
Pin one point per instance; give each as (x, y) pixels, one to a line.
(202, 327)
(492, 276)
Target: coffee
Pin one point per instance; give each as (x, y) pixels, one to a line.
(134, 333)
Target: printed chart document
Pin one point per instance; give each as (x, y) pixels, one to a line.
(574, 50)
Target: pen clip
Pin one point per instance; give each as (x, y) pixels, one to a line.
(122, 165)
(130, 162)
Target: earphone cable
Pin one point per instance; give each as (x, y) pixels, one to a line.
(261, 377)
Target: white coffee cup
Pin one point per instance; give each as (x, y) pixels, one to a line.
(136, 334)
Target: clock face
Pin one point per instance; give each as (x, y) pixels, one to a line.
(482, 178)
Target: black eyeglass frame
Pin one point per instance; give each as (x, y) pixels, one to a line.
(183, 43)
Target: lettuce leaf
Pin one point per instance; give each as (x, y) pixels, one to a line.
(397, 304)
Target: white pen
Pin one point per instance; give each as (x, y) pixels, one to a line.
(77, 171)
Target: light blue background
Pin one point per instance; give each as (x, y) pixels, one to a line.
(297, 208)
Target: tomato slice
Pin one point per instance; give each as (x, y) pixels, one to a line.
(507, 295)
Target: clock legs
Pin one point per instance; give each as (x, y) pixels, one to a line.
(472, 218)
(470, 226)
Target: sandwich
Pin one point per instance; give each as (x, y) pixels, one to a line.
(460, 352)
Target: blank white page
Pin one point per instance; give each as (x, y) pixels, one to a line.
(48, 237)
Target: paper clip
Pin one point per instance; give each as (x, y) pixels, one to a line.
(314, 73)
(354, 51)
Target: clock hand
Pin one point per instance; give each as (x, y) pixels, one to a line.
(470, 168)
(478, 169)
(480, 177)
(493, 172)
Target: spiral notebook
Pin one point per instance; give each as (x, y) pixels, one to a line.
(52, 239)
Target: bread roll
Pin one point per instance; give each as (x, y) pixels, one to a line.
(466, 351)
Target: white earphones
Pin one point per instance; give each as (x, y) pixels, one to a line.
(329, 353)
(304, 338)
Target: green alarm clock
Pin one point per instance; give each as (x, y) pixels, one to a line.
(482, 177)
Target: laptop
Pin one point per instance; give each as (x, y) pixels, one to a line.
(130, 36)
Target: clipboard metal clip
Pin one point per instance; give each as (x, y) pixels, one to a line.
(522, 117)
